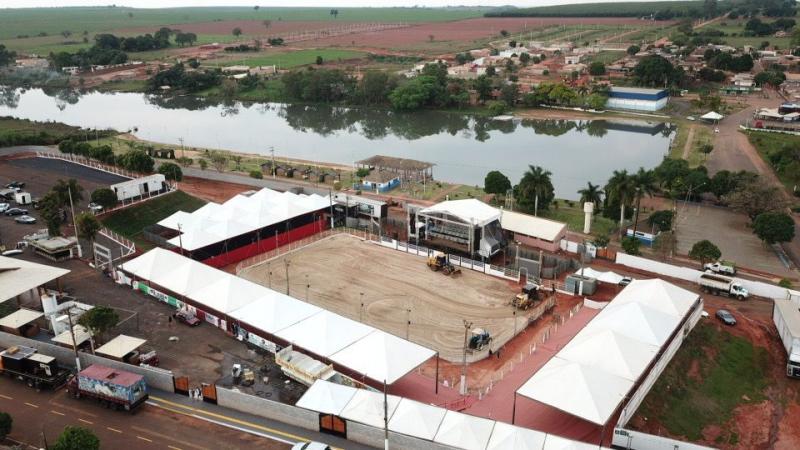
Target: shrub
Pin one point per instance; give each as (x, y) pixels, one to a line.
(631, 245)
(256, 174)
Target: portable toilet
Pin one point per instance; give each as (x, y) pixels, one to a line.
(22, 198)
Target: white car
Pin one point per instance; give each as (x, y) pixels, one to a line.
(691, 118)
(4, 207)
(719, 267)
(25, 219)
(95, 207)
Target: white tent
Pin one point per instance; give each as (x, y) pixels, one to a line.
(416, 419)
(576, 389)
(274, 311)
(468, 211)
(325, 333)
(227, 294)
(185, 275)
(635, 321)
(399, 356)
(464, 431)
(510, 437)
(605, 277)
(548, 230)
(712, 116)
(367, 407)
(120, 346)
(554, 442)
(660, 295)
(327, 398)
(18, 276)
(610, 352)
(19, 318)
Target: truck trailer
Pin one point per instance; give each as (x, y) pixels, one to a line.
(720, 284)
(36, 370)
(114, 388)
(786, 316)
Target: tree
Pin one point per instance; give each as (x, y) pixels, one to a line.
(104, 197)
(5, 424)
(631, 245)
(633, 49)
(510, 94)
(535, 189)
(219, 161)
(664, 244)
(655, 70)
(621, 190)
(76, 438)
(774, 227)
(496, 183)
(591, 193)
(497, 108)
(203, 164)
(524, 58)
(256, 174)
(52, 213)
(6, 56)
(596, 101)
(644, 183)
(597, 68)
(704, 251)
(237, 161)
(319, 60)
(99, 319)
(483, 86)
(661, 220)
(504, 33)
(137, 161)
(88, 226)
(756, 197)
(66, 33)
(171, 171)
(236, 31)
(769, 78)
(64, 189)
(185, 38)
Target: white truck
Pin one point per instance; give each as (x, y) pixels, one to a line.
(786, 316)
(718, 267)
(720, 284)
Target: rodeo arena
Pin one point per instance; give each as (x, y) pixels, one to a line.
(429, 326)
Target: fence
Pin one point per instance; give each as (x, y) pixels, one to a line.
(87, 162)
(128, 246)
(292, 246)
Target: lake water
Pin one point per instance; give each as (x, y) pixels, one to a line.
(463, 147)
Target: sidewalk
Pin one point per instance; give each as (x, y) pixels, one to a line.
(258, 426)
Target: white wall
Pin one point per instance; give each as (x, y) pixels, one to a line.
(136, 187)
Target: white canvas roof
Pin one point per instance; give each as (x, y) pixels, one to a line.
(509, 437)
(594, 372)
(81, 335)
(416, 419)
(274, 311)
(712, 115)
(19, 318)
(328, 398)
(400, 356)
(120, 346)
(606, 277)
(154, 263)
(464, 431)
(468, 210)
(184, 277)
(533, 226)
(227, 293)
(325, 333)
(554, 442)
(18, 276)
(367, 407)
(241, 214)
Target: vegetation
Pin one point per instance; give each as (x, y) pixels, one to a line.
(5, 424)
(171, 171)
(782, 152)
(496, 183)
(535, 190)
(136, 161)
(660, 10)
(88, 226)
(661, 220)
(177, 78)
(591, 193)
(6, 56)
(104, 197)
(729, 372)
(290, 60)
(756, 197)
(131, 221)
(631, 245)
(99, 319)
(705, 251)
(76, 438)
(27, 132)
(774, 227)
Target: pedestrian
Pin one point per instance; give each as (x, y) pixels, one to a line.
(170, 320)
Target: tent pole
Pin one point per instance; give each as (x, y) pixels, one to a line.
(514, 409)
(436, 381)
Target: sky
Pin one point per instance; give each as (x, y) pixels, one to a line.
(294, 3)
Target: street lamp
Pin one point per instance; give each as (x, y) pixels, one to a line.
(463, 385)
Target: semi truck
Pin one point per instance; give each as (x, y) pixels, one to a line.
(36, 370)
(786, 316)
(114, 388)
(720, 284)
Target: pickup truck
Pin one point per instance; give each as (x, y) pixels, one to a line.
(722, 285)
(718, 267)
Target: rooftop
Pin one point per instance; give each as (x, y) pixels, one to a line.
(120, 346)
(19, 318)
(532, 226)
(633, 90)
(18, 276)
(114, 376)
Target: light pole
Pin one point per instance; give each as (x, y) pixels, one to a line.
(463, 385)
(286, 265)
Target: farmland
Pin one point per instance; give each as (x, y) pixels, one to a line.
(626, 9)
(288, 60)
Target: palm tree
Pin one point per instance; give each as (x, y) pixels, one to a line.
(645, 183)
(536, 185)
(591, 193)
(621, 188)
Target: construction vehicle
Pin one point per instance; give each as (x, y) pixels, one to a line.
(439, 261)
(114, 388)
(526, 298)
(722, 285)
(480, 339)
(35, 369)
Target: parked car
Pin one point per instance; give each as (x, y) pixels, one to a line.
(4, 207)
(95, 207)
(625, 281)
(726, 317)
(311, 446)
(16, 212)
(187, 318)
(16, 185)
(719, 267)
(12, 252)
(25, 219)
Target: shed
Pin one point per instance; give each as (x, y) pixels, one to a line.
(82, 335)
(637, 99)
(120, 347)
(140, 187)
(407, 169)
(534, 231)
(20, 322)
(22, 198)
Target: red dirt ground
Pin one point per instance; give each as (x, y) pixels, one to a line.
(462, 31)
(212, 191)
(249, 27)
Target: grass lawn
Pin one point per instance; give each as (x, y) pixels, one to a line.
(711, 374)
(129, 222)
(736, 27)
(27, 132)
(573, 217)
(123, 86)
(606, 57)
(290, 60)
(769, 143)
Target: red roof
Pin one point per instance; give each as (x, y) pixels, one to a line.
(113, 376)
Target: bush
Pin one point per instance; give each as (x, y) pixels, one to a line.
(171, 171)
(256, 174)
(76, 438)
(104, 197)
(5, 424)
(631, 245)
(497, 108)
(362, 172)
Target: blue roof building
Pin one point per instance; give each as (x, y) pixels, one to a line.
(637, 99)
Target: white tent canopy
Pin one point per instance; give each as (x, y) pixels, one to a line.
(664, 297)
(325, 333)
(328, 398)
(81, 335)
(605, 277)
(464, 431)
(400, 356)
(509, 437)
(548, 230)
(712, 115)
(468, 211)
(18, 276)
(274, 311)
(416, 419)
(610, 352)
(19, 318)
(367, 407)
(120, 346)
(554, 442)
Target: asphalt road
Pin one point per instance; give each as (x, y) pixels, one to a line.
(43, 415)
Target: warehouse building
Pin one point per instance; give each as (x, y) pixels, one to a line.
(248, 224)
(637, 99)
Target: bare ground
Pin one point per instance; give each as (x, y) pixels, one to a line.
(343, 271)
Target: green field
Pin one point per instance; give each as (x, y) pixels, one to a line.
(573, 217)
(293, 59)
(606, 57)
(32, 21)
(711, 374)
(731, 27)
(130, 222)
(769, 143)
(627, 9)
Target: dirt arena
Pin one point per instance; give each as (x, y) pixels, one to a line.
(342, 267)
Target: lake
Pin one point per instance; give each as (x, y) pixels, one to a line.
(463, 147)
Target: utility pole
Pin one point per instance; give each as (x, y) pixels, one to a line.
(74, 344)
(74, 224)
(274, 169)
(183, 149)
(463, 385)
(286, 265)
(180, 239)
(385, 418)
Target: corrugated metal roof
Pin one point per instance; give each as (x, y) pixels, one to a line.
(120, 346)
(18, 276)
(635, 90)
(113, 376)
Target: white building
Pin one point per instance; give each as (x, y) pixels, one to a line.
(140, 187)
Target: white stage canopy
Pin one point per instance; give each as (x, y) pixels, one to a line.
(468, 211)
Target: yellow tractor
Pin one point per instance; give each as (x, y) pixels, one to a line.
(526, 298)
(439, 261)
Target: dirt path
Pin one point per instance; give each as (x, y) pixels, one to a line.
(687, 148)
